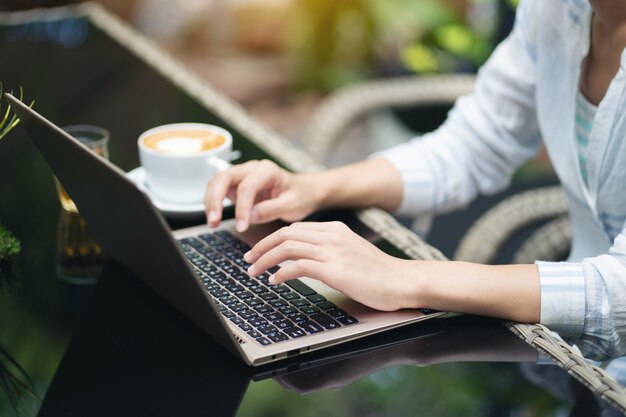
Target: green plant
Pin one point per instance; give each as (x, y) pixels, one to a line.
(9, 245)
(14, 381)
(9, 120)
(452, 41)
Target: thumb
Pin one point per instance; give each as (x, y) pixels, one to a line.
(272, 209)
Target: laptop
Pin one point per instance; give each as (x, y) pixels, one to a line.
(200, 270)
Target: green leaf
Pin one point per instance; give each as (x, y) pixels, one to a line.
(9, 245)
(420, 59)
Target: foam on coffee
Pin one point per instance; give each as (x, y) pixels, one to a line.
(181, 142)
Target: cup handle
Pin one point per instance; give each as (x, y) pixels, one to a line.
(218, 163)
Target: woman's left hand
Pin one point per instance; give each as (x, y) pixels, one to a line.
(335, 255)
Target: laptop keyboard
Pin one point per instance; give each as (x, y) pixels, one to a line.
(267, 313)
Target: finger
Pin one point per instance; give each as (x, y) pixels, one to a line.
(301, 268)
(280, 236)
(247, 192)
(288, 250)
(269, 210)
(219, 187)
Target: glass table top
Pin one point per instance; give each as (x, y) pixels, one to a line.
(113, 347)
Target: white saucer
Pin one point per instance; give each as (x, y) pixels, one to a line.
(169, 209)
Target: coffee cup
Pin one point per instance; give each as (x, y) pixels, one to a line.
(181, 158)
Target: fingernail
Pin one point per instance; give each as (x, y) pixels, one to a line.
(241, 225)
(271, 279)
(247, 255)
(213, 216)
(251, 270)
(254, 216)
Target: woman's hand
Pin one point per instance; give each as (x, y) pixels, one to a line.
(262, 192)
(333, 254)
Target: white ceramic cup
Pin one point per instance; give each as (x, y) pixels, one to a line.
(179, 176)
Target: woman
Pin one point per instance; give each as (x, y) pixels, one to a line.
(558, 78)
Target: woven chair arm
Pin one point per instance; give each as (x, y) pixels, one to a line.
(485, 238)
(551, 242)
(342, 108)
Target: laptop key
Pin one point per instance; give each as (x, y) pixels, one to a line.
(237, 320)
(239, 276)
(277, 303)
(310, 310)
(325, 321)
(268, 296)
(238, 307)
(258, 321)
(192, 241)
(248, 283)
(311, 327)
(299, 302)
(254, 334)
(263, 308)
(253, 302)
(316, 298)
(326, 305)
(298, 317)
(336, 313)
(287, 310)
(267, 329)
(234, 288)
(248, 314)
(228, 300)
(294, 332)
(245, 327)
(347, 320)
(263, 341)
(301, 287)
(225, 281)
(280, 289)
(244, 295)
(277, 337)
(219, 293)
(283, 324)
(273, 316)
(228, 314)
(291, 295)
(258, 289)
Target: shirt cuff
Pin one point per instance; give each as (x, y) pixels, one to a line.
(562, 297)
(418, 177)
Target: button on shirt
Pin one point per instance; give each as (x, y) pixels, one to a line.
(526, 94)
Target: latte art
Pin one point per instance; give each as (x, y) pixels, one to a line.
(183, 142)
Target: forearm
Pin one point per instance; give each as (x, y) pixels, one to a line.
(373, 182)
(510, 292)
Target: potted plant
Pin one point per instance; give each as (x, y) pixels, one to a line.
(9, 244)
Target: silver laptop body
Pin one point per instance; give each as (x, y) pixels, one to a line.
(134, 233)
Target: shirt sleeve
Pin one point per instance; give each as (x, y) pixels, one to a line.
(586, 302)
(486, 136)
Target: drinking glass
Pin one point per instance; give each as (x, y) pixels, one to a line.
(97, 140)
(79, 256)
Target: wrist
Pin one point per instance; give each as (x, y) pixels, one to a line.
(414, 285)
(319, 185)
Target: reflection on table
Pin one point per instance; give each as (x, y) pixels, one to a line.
(133, 354)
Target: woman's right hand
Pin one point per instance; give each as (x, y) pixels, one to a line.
(262, 192)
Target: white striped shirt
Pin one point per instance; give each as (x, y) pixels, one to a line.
(525, 95)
